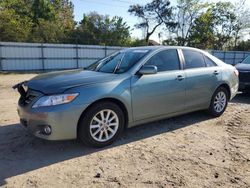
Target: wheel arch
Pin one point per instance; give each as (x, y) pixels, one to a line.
(114, 100)
(227, 87)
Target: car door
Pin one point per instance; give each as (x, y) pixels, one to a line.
(161, 93)
(202, 77)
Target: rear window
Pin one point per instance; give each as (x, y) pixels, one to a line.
(247, 60)
(209, 62)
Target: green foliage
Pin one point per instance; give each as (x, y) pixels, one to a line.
(220, 25)
(224, 23)
(14, 26)
(201, 34)
(99, 29)
(47, 32)
(36, 20)
(137, 42)
(53, 22)
(203, 25)
(186, 12)
(214, 28)
(242, 46)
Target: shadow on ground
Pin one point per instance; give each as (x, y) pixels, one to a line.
(21, 152)
(242, 98)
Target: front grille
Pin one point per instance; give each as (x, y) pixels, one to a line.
(244, 76)
(28, 98)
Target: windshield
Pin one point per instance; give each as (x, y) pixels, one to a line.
(119, 62)
(247, 60)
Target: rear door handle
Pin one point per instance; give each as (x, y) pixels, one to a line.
(180, 77)
(216, 72)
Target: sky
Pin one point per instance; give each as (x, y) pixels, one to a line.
(120, 8)
(111, 8)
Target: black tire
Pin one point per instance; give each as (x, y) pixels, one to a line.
(84, 132)
(212, 110)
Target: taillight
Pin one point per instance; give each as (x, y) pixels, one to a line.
(236, 72)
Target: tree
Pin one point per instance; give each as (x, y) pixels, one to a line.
(153, 15)
(186, 12)
(214, 28)
(36, 20)
(243, 46)
(242, 14)
(15, 25)
(99, 29)
(224, 23)
(52, 20)
(201, 33)
(137, 42)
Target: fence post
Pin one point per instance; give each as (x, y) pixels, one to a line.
(77, 57)
(244, 53)
(42, 53)
(234, 63)
(105, 50)
(224, 56)
(1, 66)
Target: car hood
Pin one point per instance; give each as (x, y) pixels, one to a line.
(58, 82)
(242, 67)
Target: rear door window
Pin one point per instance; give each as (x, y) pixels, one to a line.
(193, 59)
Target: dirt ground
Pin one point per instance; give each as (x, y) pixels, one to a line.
(192, 150)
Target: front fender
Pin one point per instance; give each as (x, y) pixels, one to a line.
(117, 89)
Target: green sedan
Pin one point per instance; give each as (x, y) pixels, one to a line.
(130, 87)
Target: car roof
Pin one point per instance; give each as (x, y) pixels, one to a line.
(161, 47)
(154, 48)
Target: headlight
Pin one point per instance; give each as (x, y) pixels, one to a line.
(55, 100)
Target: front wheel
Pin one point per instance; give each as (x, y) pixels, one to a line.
(219, 102)
(101, 124)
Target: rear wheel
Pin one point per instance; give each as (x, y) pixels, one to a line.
(101, 124)
(219, 102)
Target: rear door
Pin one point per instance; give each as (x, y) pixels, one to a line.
(202, 77)
(161, 93)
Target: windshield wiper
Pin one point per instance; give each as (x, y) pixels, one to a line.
(102, 63)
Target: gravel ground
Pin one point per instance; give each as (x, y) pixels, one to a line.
(192, 150)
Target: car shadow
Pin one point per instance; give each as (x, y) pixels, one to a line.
(21, 152)
(243, 98)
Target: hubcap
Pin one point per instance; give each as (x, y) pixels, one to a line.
(104, 125)
(220, 101)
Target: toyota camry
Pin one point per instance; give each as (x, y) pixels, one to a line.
(130, 87)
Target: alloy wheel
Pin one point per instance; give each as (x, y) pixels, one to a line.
(104, 125)
(220, 101)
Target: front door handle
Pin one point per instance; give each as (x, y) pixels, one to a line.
(216, 72)
(180, 77)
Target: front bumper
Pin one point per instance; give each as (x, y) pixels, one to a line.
(62, 119)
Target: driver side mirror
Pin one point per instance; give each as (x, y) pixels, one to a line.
(148, 69)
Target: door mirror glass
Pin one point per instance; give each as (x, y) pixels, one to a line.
(148, 69)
